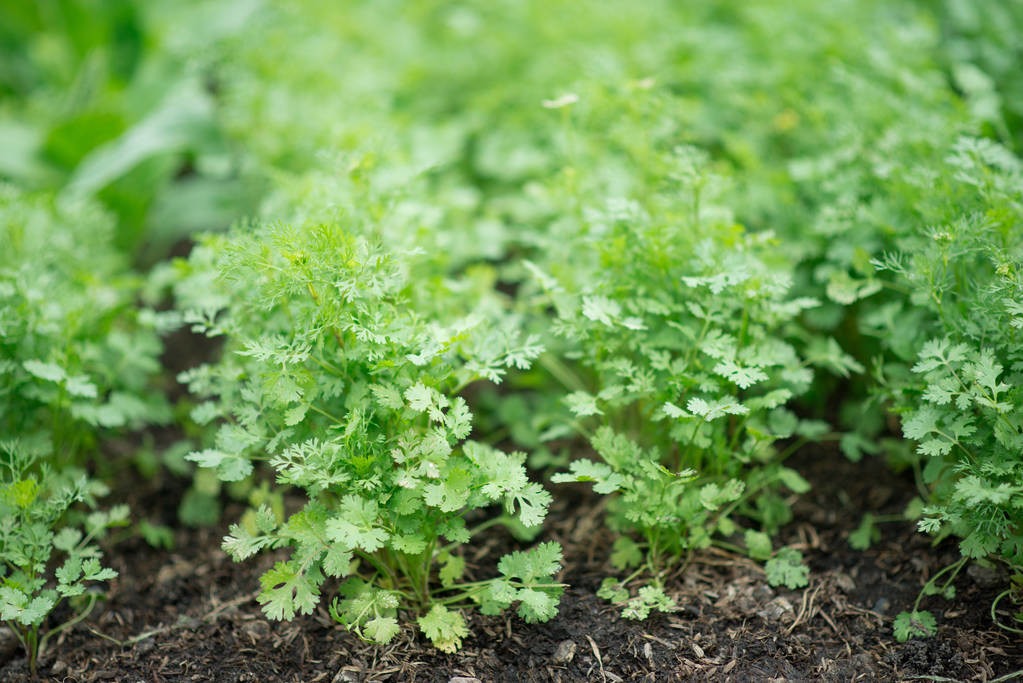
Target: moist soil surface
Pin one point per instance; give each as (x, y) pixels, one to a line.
(189, 614)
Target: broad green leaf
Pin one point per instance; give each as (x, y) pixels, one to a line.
(444, 628)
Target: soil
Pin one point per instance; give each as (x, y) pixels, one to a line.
(189, 614)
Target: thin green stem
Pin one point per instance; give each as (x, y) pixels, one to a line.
(382, 568)
(333, 418)
(955, 568)
(466, 590)
(329, 367)
(69, 623)
(562, 373)
(731, 547)
(994, 613)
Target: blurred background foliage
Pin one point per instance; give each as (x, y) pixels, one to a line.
(178, 116)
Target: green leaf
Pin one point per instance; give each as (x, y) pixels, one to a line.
(844, 289)
(368, 611)
(854, 445)
(793, 480)
(915, 624)
(452, 569)
(240, 544)
(601, 309)
(92, 571)
(532, 501)
(978, 544)
(380, 630)
(16, 605)
(459, 418)
(337, 561)
(451, 493)
(712, 496)
(743, 377)
(80, 386)
(410, 544)
(715, 409)
(69, 572)
(356, 525)
(529, 578)
(866, 534)
(66, 539)
(286, 591)
(540, 562)
(500, 594)
(827, 353)
(444, 628)
(648, 599)
(420, 398)
(295, 415)
(21, 493)
(387, 396)
(50, 372)
(626, 553)
(612, 591)
(184, 118)
(607, 481)
(537, 605)
(582, 404)
(921, 423)
(758, 544)
(786, 568)
(229, 467)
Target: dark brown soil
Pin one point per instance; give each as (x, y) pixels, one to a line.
(190, 614)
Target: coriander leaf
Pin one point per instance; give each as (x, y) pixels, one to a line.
(380, 630)
(786, 568)
(452, 569)
(626, 553)
(758, 544)
(355, 525)
(444, 628)
(582, 404)
(286, 591)
(915, 624)
(537, 605)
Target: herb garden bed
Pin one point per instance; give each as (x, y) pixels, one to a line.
(511, 340)
(191, 615)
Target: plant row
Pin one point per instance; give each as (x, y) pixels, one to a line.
(481, 251)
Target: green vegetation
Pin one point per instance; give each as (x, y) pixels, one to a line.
(38, 523)
(343, 367)
(483, 247)
(80, 359)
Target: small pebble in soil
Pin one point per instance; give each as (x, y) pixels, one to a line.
(565, 652)
(844, 582)
(881, 605)
(985, 576)
(775, 609)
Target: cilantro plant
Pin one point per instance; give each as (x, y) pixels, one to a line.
(959, 399)
(342, 369)
(49, 552)
(679, 348)
(78, 358)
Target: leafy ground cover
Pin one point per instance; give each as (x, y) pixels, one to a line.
(637, 322)
(191, 613)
